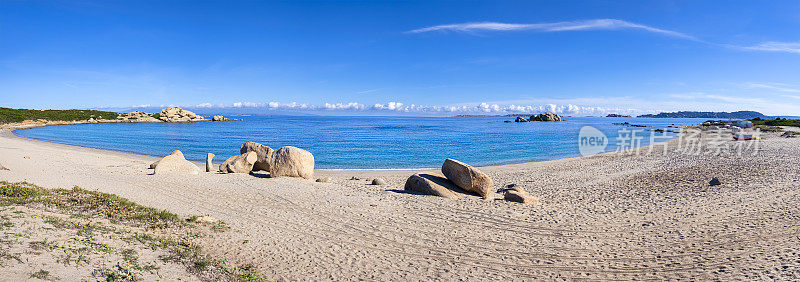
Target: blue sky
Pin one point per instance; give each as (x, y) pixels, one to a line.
(413, 57)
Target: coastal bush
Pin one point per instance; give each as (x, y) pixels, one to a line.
(776, 122)
(19, 193)
(88, 203)
(177, 240)
(112, 207)
(8, 115)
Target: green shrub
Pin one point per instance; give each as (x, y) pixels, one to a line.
(8, 115)
(777, 122)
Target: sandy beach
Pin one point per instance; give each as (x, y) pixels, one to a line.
(617, 216)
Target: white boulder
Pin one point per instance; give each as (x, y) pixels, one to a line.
(293, 162)
(175, 163)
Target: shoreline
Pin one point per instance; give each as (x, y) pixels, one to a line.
(20, 126)
(612, 216)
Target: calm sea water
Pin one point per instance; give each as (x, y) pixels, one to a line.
(356, 142)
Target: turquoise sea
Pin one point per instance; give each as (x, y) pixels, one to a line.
(358, 142)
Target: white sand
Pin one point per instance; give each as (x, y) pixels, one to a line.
(610, 216)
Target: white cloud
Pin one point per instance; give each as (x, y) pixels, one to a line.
(341, 106)
(774, 46)
(392, 106)
(205, 105)
(581, 106)
(245, 105)
(596, 24)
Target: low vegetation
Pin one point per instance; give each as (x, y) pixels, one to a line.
(89, 216)
(8, 115)
(776, 122)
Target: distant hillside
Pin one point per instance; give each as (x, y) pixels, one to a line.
(722, 115)
(8, 115)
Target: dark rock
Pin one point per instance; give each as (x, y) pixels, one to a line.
(548, 116)
(714, 182)
(520, 119)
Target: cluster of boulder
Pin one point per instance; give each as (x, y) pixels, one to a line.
(171, 114)
(176, 114)
(548, 116)
(286, 161)
(136, 116)
(458, 180)
(219, 118)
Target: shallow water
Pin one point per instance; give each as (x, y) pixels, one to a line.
(357, 142)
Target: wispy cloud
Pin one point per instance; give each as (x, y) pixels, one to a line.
(774, 86)
(599, 24)
(774, 46)
(596, 24)
(369, 91)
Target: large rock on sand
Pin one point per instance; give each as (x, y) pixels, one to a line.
(175, 163)
(176, 152)
(548, 116)
(430, 184)
(240, 163)
(293, 162)
(264, 154)
(467, 177)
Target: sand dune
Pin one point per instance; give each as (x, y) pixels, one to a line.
(611, 216)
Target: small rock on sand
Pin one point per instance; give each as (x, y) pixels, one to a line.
(520, 196)
(324, 180)
(714, 182)
(378, 181)
(430, 184)
(206, 220)
(2, 167)
(467, 177)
